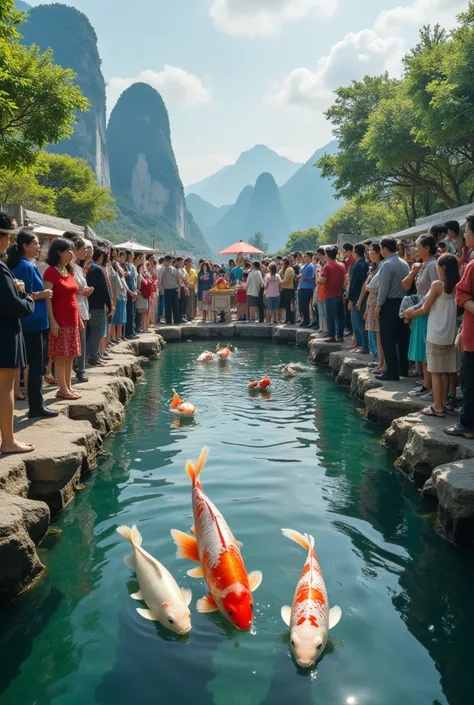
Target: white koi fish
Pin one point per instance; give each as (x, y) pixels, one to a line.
(310, 618)
(167, 603)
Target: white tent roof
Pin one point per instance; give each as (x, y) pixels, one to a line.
(133, 246)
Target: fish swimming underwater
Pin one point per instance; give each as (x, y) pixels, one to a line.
(183, 408)
(310, 618)
(218, 554)
(224, 353)
(260, 384)
(207, 356)
(166, 602)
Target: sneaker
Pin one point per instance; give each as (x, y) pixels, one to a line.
(417, 391)
(459, 430)
(427, 397)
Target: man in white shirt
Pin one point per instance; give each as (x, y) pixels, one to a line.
(254, 286)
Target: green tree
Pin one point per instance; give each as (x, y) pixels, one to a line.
(358, 220)
(22, 187)
(78, 196)
(38, 99)
(303, 240)
(258, 241)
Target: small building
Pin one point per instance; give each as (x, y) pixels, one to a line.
(423, 225)
(48, 227)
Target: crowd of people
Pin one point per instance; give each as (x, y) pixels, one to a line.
(65, 307)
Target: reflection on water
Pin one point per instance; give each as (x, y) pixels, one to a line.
(303, 458)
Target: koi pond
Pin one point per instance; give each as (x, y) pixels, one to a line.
(300, 457)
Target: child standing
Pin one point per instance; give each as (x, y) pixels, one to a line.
(441, 353)
(241, 299)
(272, 291)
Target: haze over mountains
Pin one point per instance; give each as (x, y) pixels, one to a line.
(224, 186)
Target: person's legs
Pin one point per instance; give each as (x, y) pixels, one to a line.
(305, 297)
(353, 313)
(130, 317)
(380, 353)
(68, 373)
(61, 374)
(261, 307)
(403, 341)
(372, 337)
(9, 444)
(95, 333)
(81, 359)
(175, 306)
(467, 385)
(167, 298)
(440, 383)
(359, 327)
(36, 362)
(388, 333)
(339, 318)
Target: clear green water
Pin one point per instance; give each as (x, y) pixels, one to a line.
(304, 459)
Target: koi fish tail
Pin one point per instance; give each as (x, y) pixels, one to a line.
(306, 541)
(218, 347)
(131, 534)
(194, 469)
(176, 400)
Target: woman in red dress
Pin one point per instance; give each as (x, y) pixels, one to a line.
(63, 311)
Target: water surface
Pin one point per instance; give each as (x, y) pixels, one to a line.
(302, 459)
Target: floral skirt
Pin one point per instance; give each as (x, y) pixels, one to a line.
(206, 300)
(66, 344)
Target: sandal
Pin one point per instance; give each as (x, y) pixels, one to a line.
(431, 411)
(21, 395)
(49, 379)
(449, 407)
(70, 397)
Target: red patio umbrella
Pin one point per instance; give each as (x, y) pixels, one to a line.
(241, 248)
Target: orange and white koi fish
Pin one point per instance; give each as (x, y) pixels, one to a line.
(218, 554)
(260, 384)
(224, 353)
(310, 618)
(183, 408)
(207, 356)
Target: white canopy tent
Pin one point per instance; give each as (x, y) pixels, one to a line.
(134, 247)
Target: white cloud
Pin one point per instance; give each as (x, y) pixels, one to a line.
(370, 51)
(177, 86)
(253, 18)
(195, 169)
(350, 59)
(418, 13)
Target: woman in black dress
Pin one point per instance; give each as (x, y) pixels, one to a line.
(14, 304)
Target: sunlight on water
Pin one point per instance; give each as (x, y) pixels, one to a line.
(300, 457)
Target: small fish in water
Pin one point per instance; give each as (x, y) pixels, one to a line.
(183, 408)
(167, 603)
(224, 353)
(217, 552)
(260, 384)
(310, 618)
(207, 356)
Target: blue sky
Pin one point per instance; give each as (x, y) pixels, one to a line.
(235, 73)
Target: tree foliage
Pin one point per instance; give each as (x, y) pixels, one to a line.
(303, 241)
(258, 241)
(38, 99)
(411, 141)
(358, 220)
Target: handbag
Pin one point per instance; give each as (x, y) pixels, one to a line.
(409, 302)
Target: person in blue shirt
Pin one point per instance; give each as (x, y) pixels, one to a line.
(21, 258)
(306, 278)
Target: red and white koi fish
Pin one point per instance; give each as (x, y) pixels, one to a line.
(310, 618)
(218, 554)
(207, 356)
(223, 353)
(183, 408)
(260, 384)
(288, 369)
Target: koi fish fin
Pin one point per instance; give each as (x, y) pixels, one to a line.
(187, 595)
(187, 545)
(239, 544)
(255, 580)
(305, 541)
(129, 562)
(176, 400)
(196, 572)
(286, 615)
(218, 347)
(206, 604)
(146, 614)
(131, 534)
(137, 595)
(335, 614)
(194, 469)
(193, 530)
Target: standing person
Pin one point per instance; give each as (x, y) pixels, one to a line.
(192, 285)
(170, 283)
(119, 319)
(83, 302)
(21, 262)
(320, 293)
(16, 306)
(152, 268)
(307, 282)
(465, 342)
(131, 281)
(182, 289)
(394, 332)
(205, 284)
(63, 311)
(272, 291)
(357, 300)
(372, 322)
(332, 277)
(348, 257)
(287, 297)
(440, 304)
(145, 287)
(422, 274)
(453, 240)
(100, 306)
(241, 300)
(254, 288)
